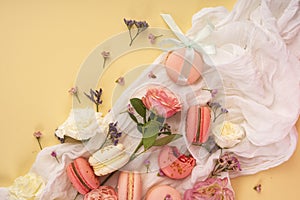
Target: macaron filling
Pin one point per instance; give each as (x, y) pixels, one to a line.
(130, 186)
(197, 138)
(79, 177)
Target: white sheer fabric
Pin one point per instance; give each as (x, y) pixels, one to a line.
(258, 64)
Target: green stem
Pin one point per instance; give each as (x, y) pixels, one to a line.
(97, 107)
(104, 63)
(57, 159)
(133, 156)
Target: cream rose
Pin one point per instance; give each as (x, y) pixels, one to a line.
(228, 134)
(26, 187)
(82, 124)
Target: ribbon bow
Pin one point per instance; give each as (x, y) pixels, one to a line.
(190, 44)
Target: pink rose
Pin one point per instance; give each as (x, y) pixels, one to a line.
(210, 189)
(102, 193)
(162, 101)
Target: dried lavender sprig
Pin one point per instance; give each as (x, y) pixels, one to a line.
(95, 97)
(215, 107)
(140, 25)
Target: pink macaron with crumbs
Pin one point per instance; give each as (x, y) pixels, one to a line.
(129, 186)
(82, 176)
(163, 192)
(174, 164)
(198, 124)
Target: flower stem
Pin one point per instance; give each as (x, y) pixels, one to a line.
(57, 159)
(38, 139)
(104, 63)
(76, 95)
(76, 195)
(97, 107)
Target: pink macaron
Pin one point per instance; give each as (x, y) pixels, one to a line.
(163, 192)
(174, 164)
(180, 70)
(82, 176)
(129, 186)
(198, 124)
(102, 193)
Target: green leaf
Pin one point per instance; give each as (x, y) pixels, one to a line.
(140, 127)
(166, 140)
(133, 117)
(149, 141)
(139, 107)
(151, 128)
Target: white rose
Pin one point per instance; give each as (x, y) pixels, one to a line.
(228, 134)
(82, 124)
(26, 187)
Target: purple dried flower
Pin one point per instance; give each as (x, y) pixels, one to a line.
(224, 110)
(120, 81)
(38, 135)
(129, 23)
(217, 109)
(151, 75)
(130, 109)
(213, 92)
(140, 26)
(95, 96)
(54, 155)
(152, 38)
(147, 164)
(113, 133)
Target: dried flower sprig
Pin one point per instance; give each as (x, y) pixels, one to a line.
(105, 55)
(120, 81)
(257, 188)
(151, 75)
(140, 26)
(217, 109)
(213, 92)
(147, 165)
(95, 97)
(74, 91)
(38, 135)
(226, 163)
(54, 155)
(152, 38)
(113, 133)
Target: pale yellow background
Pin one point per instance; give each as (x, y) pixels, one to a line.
(42, 45)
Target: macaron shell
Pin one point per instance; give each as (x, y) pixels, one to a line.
(205, 115)
(75, 182)
(82, 176)
(175, 166)
(102, 193)
(198, 122)
(129, 184)
(160, 192)
(174, 63)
